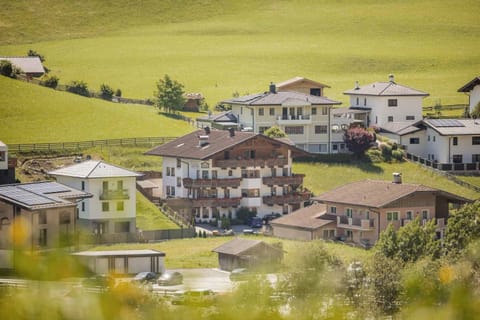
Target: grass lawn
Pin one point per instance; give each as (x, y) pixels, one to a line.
(475, 180)
(321, 177)
(149, 217)
(31, 113)
(235, 46)
(197, 252)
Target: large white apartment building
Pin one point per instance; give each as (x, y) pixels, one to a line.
(112, 209)
(213, 173)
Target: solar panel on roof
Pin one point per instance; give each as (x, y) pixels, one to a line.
(23, 196)
(47, 187)
(448, 123)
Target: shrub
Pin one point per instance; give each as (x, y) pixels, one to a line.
(375, 155)
(118, 93)
(33, 53)
(397, 155)
(50, 81)
(386, 152)
(106, 92)
(78, 87)
(6, 68)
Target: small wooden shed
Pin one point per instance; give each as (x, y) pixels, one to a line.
(123, 261)
(246, 253)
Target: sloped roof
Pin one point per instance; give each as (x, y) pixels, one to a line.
(94, 169)
(237, 246)
(117, 253)
(193, 95)
(385, 89)
(27, 64)
(470, 85)
(218, 141)
(401, 128)
(40, 195)
(456, 127)
(309, 218)
(378, 193)
(226, 116)
(279, 98)
(288, 82)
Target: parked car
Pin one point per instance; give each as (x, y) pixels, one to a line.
(240, 274)
(200, 297)
(99, 281)
(146, 276)
(170, 278)
(256, 222)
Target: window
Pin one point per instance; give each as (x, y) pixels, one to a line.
(333, 209)
(392, 216)
(214, 176)
(172, 172)
(424, 214)
(321, 129)
(433, 138)
(42, 217)
(294, 130)
(390, 119)
(273, 191)
(415, 140)
(120, 206)
(119, 185)
(230, 173)
(349, 212)
(261, 111)
(367, 214)
(168, 171)
(179, 181)
(455, 141)
(409, 215)
(105, 206)
(358, 101)
(349, 234)
(2, 155)
(475, 140)
(204, 174)
(122, 227)
(83, 185)
(272, 111)
(250, 174)
(364, 101)
(475, 157)
(335, 147)
(250, 193)
(42, 237)
(392, 102)
(64, 218)
(179, 163)
(324, 111)
(410, 117)
(105, 185)
(315, 92)
(457, 158)
(314, 111)
(428, 138)
(83, 206)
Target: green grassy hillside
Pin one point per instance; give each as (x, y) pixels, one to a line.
(218, 47)
(31, 113)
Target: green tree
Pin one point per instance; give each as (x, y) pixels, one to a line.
(387, 244)
(50, 81)
(463, 228)
(169, 94)
(274, 132)
(106, 92)
(78, 87)
(33, 53)
(6, 68)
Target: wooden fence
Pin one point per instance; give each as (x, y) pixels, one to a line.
(79, 145)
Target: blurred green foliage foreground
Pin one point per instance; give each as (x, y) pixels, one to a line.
(410, 275)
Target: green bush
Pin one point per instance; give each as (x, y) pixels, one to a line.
(397, 155)
(244, 214)
(375, 155)
(78, 87)
(386, 152)
(106, 92)
(118, 93)
(50, 81)
(6, 68)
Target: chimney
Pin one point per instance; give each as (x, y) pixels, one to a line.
(232, 132)
(357, 85)
(273, 88)
(397, 178)
(207, 130)
(391, 78)
(202, 141)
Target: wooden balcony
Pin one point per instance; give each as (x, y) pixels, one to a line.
(211, 183)
(245, 163)
(296, 197)
(295, 179)
(216, 202)
(121, 194)
(355, 223)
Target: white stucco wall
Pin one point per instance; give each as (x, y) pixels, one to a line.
(474, 97)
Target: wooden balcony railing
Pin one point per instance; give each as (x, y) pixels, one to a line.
(216, 202)
(211, 183)
(244, 163)
(354, 223)
(121, 194)
(296, 197)
(295, 179)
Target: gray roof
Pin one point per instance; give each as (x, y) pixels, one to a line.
(121, 253)
(217, 141)
(26, 64)
(41, 195)
(288, 82)
(385, 89)
(378, 193)
(470, 85)
(226, 116)
(239, 245)
(341, 111)
(280, 98)
(454, 127)
(308, 218)
(94, 169)
(401, 128)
